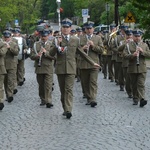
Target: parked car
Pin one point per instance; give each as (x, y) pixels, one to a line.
(101, 28)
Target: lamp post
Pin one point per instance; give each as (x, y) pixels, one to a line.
(116, 12)
(107, 7)
(58, 11)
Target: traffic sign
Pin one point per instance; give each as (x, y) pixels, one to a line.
(16, 22)
(85, 12)
(129, 18)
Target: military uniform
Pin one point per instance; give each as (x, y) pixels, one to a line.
(87, 72)
(105, 56)
(136, 54)
(21, 56)
(108, 40)
(66, 65)
(125, 62)
(10, 64)
(3, 50)
(43, 69)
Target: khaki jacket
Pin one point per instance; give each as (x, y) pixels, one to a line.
(3, 51)
(128, 54)
(46, 60)
(66, 62)
(115, 46)
(10, 61)
(93, 52)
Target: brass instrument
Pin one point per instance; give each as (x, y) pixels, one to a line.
(104, 50)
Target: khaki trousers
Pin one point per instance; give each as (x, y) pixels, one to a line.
(138, 85)
(45, 82)
(20, 71)
(9, 82)
(89, 78)
(66, 82)
(1, 88)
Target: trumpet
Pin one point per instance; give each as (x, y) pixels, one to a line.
(104, 50)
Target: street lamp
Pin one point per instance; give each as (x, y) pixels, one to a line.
(107, 7)
(58, 11)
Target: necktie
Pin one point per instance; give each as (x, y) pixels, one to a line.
(66, 37)
(89, 37)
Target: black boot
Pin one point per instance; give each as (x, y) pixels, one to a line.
(1, 106)
(10, 99)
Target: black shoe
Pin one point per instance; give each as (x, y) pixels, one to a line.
(10, 99)
(15, 91)
(135, 101)
(88, 103)
(93, 104)
(68, 115)
(52, 89)
(64, 113)
(49, 105)
(121, 87)
(42, 103)
(20, 83)
(1, 106)
(130, 96)
(24, 79)
(112, 80)
(143, 102)
(84, 96)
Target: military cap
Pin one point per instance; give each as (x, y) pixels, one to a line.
(79, 29)
(66, 22)
(112, 26)
(44, 32)
(73, 31)
(7, 34)
(123, 27)
(129, 32)
(89, 24)
(105, 31)
(9, 28)
(16, 30)
(137, 32)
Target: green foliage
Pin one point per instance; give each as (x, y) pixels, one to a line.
(29, 11)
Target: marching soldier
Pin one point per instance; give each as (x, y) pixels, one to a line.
(108, 40)
(125, 62)
(43, 68)
(66, 48)
(10, 64)
(21, 56)
(105, 57)
(116, 43)
(136, 52)
(3, 50)
(92, 46)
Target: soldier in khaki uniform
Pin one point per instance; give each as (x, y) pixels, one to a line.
(10, 64)
(3, 50)
(116, 43)
(43, 68)
(108, 40)
(105, 56)
(125, 62)
(66, 48)
(136, 52)
(92, 46)
(21, 56)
